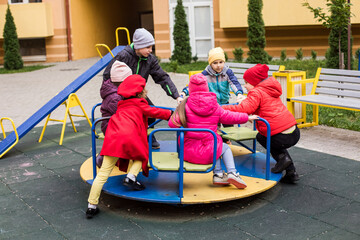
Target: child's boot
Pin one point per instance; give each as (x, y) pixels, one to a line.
(133, 184)
(235, 179)
(282, 163)
(155, 143)
(220, 179)
(91, 211)
(291, 176)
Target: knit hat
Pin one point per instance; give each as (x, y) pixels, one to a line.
(256, 74)
(142, 38)
(216, 54)
(119, 71)
(132, 86)
(198, 83)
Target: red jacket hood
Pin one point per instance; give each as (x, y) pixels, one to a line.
(271, 86)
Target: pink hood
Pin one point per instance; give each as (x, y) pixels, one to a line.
(203, 111)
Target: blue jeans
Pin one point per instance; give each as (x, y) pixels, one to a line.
(228, 159)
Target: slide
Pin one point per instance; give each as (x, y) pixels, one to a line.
(58, 99)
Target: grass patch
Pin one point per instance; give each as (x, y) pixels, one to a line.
(334, 117)
(186, 68)
(24, 69)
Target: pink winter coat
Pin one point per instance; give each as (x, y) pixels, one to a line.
(203, 111)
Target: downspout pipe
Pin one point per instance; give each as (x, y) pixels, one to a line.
(68, 29)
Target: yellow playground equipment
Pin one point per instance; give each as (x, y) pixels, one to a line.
(4, 134)
(117, 41)
(72, 101)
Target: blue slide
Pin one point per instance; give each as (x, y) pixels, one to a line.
(58, 99)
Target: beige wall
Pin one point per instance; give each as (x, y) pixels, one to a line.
(289, 29)
(95, 22)
(162, 28)
(56, 46)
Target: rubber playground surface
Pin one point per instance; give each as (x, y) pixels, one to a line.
(42, 196)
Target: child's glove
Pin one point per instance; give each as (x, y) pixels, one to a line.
(240, 98)
(179, 99)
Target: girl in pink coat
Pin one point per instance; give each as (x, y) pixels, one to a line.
(201, 110)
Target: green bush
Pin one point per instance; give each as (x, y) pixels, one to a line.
(195, 58)
(238, 54)
(299, 54)
(182, 48)
(357, 53)
(256, 33)
(313, 55)
(12, 57)
(283, 55)
(226, 56)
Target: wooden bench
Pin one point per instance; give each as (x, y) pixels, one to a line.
(240, 68)
(333, 88)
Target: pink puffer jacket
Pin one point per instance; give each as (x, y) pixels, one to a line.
(203, 111)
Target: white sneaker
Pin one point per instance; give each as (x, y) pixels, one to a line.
(235, 179)
(220, 179)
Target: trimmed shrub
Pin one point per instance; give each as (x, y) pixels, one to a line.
(182, 49)
(12, 57)
(283, 55)
(299, 54)
(256, 33)
(238, 54)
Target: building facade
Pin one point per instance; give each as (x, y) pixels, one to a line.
(62, 30)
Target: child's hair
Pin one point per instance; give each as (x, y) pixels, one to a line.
(142, 94)
(180, 111)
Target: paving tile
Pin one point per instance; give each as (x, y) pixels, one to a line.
(4, 190)
(307, 200)
(57, 203)
(205, 228)
(106, 225)
(42, 234)
(324, 160)
(69, 173)
(10, 203)
(22, 221)
(18, 160)
(41, 187)
(330, 181)
(281, 224)
(335, 234)
(23, 174)
(350, 192)
(61, 158)
(346, 217)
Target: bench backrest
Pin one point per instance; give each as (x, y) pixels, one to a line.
(337, 82)
(240, 68)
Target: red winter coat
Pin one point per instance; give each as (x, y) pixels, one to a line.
(126, 134)
(264, 101)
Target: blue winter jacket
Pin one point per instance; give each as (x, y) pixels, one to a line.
(220, 83)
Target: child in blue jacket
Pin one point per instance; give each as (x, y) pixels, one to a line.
(219, 77)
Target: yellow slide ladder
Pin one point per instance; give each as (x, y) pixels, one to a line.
(72, 101)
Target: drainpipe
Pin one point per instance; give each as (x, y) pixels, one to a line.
(349, 41)
(68, 28)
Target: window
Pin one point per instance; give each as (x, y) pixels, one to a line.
(23, 1)
(199, 15)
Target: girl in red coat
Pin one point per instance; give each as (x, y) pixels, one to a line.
(126, 138)
(263, 99)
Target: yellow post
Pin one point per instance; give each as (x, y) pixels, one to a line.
(16, 134)
(72, 101)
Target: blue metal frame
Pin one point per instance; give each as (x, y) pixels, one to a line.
(181, 152)
(93, 141)
(58, 99)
